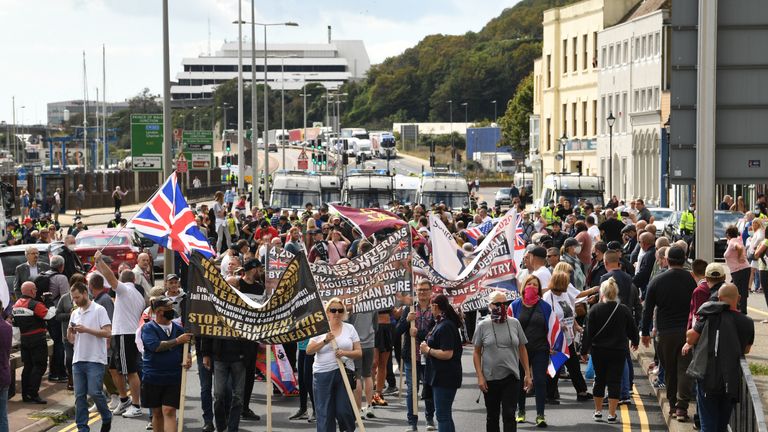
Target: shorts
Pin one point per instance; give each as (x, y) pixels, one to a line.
(384, 338)
(364, 365)
(125, 355)
(160, 395)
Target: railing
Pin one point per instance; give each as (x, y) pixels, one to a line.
(747, 415)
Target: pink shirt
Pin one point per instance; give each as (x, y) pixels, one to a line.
(735, 256)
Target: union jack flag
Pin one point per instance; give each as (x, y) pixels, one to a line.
(519, 237)
(167, 220)
(475, 233)
(560, 352)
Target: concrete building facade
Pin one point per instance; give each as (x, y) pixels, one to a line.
(632, 79)
(58, 111)
(565, 87)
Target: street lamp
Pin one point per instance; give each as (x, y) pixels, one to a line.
(611, 120)
(495, 117)
(450, 118)
(563, 142)
(282, 102)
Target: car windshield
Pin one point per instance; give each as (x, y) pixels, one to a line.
(724, 220)
(505, 191)
(369, 198)
(406, 196)
(294, 199)
(663, 215)
(95, 241)
(507, 163)
(331, 195)
(589, 196)
(451, 199)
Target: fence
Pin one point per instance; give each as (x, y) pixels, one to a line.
(748, 415)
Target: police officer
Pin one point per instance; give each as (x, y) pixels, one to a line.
(114, 223)
(688, 221)
(548, 213)
(30, 316)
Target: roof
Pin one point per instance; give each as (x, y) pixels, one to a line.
(646, 7)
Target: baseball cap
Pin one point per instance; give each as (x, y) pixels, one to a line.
(539, 251)
(172, 276)
(570, 242)
(161, 301)
(252, 264)
(715, 271)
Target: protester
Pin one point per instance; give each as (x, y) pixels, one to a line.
(89, 329)
(365, 324)
(341, 345)
(443, 351)
(31, 317)
(736, 260)
(143, 274)
(163, 342)
(6, 339)
(499, 351)
(129, 305)
(29, 270)
(609, 326)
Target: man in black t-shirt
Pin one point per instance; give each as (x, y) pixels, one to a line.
(251, 284)
(610, 230)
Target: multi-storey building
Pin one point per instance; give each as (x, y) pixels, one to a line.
(565, 110)
(632, 77)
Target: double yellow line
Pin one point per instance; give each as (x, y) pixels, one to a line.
(626, 420)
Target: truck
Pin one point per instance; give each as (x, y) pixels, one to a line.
(495, 161)
(359, 142)
(294, 189)
(368, 188)
(573, 187)
(443, 186)
(406, 188)
(383, 145)
(330, 188)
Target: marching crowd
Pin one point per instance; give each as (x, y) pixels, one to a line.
(605, 276)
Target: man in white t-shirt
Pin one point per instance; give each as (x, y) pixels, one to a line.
(592, 229)
(538, 261)
(129, 305)
(89, 330)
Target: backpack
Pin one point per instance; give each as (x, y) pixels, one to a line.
(714, 353)
(43, 283)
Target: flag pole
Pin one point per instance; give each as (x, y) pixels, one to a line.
(182, 395)
(414, 365)
(268, 361)
(347, 386)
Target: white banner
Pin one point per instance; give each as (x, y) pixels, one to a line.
(446, 254)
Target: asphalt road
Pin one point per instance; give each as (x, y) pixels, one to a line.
(643, 415)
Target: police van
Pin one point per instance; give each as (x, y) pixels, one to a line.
(573, 187)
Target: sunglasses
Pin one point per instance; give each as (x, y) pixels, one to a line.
(499, 304)
(334, 310)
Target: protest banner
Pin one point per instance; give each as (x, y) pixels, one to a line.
(368, 282)
(293, 311)
(447, 256)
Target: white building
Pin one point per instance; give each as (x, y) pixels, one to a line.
(330, 64)
(631, 80)
(59, 112)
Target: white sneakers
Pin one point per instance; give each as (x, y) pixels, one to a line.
(114, 401)
(121, 406)
(132, 412)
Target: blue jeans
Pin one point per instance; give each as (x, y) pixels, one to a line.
(413, 419)
(444, 397)
(539, 363)
(206, 387)
(4, 409)
(714, 410)
(88, 379)
(626, 379)
(332, 402)
(229, 379)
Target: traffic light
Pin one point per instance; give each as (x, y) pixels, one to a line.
(229, 161)
(432, 147)
(431, 161)
(314, 158)
(345, 159)
(325, 159)
(228, 146)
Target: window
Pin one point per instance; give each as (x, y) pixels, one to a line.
(574, 125)
(609, 108)
(655, 98)
(623, 112)
(610, 56)
(584, 119)
(594, 49)
(602, 114)
(565, 117)
(565, 55)
(594, 117)
(656, 44)
(636, 103)
(575, 55)
(549, 135)
(637, 48)
(643, 47)
(625, 52)
(549, 70)
(604, 57)
(585, 60)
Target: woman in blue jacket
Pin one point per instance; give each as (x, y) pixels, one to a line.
(533, 314)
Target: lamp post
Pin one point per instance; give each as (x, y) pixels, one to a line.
(495, 117)
(7, 135)
(450, 119)
(563, 142)
(611, 120)
(282, 103)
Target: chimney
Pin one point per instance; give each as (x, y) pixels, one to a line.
(329, 35)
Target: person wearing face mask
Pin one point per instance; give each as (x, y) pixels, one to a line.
(89, 329)
(163, 351)
(498, 357)
(570, 255)
(533, 315)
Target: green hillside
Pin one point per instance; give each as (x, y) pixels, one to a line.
(476, 68)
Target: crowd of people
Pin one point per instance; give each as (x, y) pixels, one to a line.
(606, 276)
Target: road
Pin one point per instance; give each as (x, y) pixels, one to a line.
(643, 415)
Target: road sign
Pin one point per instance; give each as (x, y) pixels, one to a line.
(303, 160)
(147, 142)
(198, 140)
(181, 163)
(200, 161)
(21, 174)
(178, 133)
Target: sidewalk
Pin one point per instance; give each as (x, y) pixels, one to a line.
(25, 417)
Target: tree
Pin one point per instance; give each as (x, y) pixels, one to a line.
(515, 121)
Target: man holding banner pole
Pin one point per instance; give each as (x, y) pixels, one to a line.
(417, 320)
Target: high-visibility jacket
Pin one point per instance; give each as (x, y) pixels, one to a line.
(549, 215)
(688, 222)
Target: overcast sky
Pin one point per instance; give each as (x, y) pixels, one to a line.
(43, 40)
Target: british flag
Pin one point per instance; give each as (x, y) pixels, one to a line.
(559, 350)
(519, 239)
(167, 220)
(475, 233)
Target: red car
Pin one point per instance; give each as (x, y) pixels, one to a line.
(123, 248)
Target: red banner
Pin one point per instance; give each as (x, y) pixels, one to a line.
(369, 220)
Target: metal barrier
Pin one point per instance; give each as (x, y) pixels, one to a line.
(747, 415)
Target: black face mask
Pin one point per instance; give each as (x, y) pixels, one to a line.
(169, 314)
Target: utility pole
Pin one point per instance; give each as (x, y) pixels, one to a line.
(240, 102)
(168, 263)
(254, 112)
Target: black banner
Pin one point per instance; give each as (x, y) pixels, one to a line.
(293, 311)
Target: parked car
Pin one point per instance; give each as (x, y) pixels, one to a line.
(665, 219)
(503, 197)
(125, 247)
(12, 256)
(724, 219)
(272, 147)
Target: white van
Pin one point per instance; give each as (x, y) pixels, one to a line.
(294, 189)
(443, 186)
(573, 187)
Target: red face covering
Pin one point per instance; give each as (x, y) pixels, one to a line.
(530, 295)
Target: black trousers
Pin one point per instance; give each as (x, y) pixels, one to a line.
(501, 398)
(574, 370)
(741, 280)
(609, 366)
(291, 351)
(250, 377)
(34, 354)
(679, 384)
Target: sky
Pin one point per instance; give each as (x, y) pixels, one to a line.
(43, 40)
